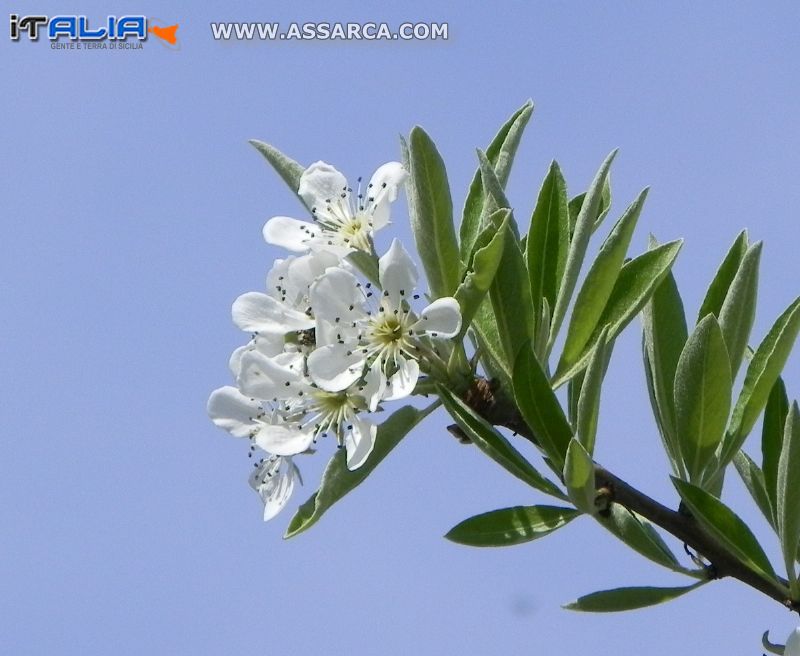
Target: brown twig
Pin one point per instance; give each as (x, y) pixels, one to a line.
(682, 525)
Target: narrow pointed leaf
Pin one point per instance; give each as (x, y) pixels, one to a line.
(589, 401)
(367, 263)
(574, 389)
(542, 330)
(492, 351)
(775, 414)
(548, 238)
(510, 295)
(494, 445)
(739, 308)
(494, 194)
(639, 535)
(718, 289)
(482, 267)
(762, 372)
(501, 154)
(753, 479)
(637, 281)
(579, 477)
(289, 170)
(431, 213)
(726, 526)
(788, 493)
(576, 203)
(771, 647)
(584, 225)
(540, 408)
(620, 599)
(599, 282)
(338, 480)
(664, 336)
(510, 526)
(702, 395)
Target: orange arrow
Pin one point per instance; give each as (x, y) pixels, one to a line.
(166, 33)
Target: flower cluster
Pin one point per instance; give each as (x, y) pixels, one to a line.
(326, 347)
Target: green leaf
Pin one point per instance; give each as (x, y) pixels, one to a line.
(494, 445)
(573, 397)
(510, 526)
(584, 225)
(579, 477)
(289, 170)
(540, 408)
(764, 369)
(599, 284)
(576, 203)
(727, 527)
(639, 535)
(718, 289)
(501, 154)
(490, 344)
(494, 194)
(664, 336)
(338, 480)
(619, 599)
(772, 648)
(775, 414)
(431, 213)
(788, 494)
(367, 263)
(548, 238)
(589, 401)
(510, 296)
(753, 479)
(702, 395)
(637, 281)
(483, 264)
(739, 309)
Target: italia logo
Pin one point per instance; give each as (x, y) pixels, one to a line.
(79, 28)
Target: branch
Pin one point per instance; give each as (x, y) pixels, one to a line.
(483, 399)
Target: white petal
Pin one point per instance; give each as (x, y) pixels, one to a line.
(374, 386)
(274, 482)
(270, 344)
(337, 298)
(276, 276)
(402, 382)
(235, 361)
(359, 442)
(383, 188)
(321, 184)
(793, 643)
(257, 312)
(335, 367)
(283, 440)
(442, 318)
(397, 273)
(231, 410)
(304, 270)
(291, 234)
(264, 378)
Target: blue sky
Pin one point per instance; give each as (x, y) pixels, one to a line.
(132, 210)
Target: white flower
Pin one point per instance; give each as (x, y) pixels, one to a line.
(274, 479)
(285, 306)
(307, 411)
(343, 222)
(244, 416)
(793, 643)
(350, 336)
